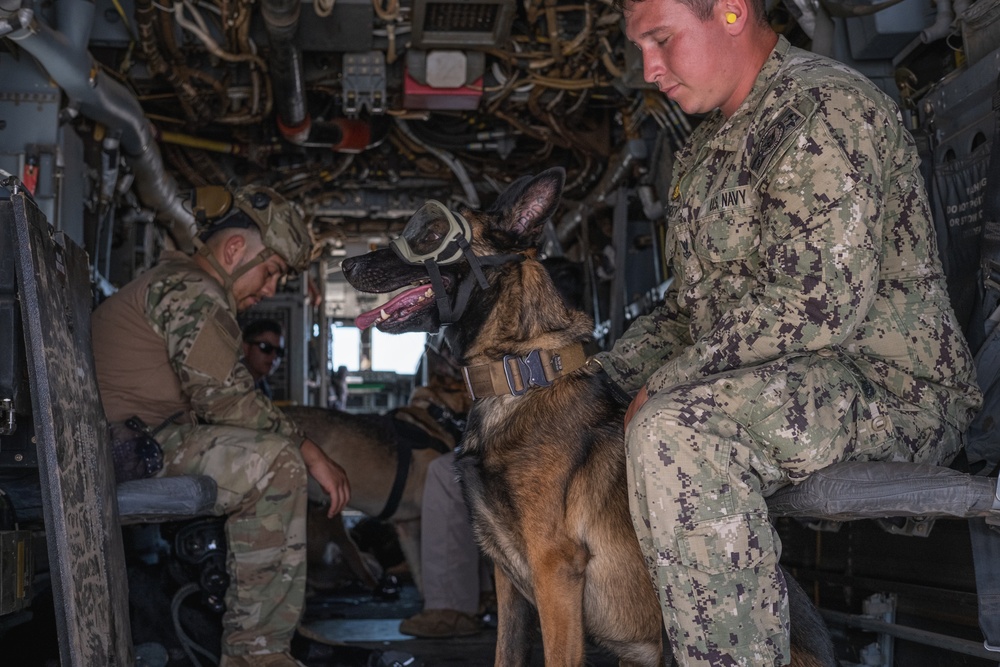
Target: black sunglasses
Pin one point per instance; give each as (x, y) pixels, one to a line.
(267, 348)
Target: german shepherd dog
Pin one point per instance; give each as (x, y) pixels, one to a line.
(543, 464)
(382, 452)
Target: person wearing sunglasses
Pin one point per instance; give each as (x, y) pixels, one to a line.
(263, 348)
(169, 343)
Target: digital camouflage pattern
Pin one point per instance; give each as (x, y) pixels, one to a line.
(828, 242)
(172, 331)
(808, 323)
(701, 459)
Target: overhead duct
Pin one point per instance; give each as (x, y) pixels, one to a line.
(104, 100)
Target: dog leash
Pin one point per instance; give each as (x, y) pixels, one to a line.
(514, 375)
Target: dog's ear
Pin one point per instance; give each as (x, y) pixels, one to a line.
(528, 202)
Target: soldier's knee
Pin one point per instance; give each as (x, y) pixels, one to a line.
(288, 469)
(666, 418)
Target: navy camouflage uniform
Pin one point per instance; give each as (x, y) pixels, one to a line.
(169, 341)
(808, 323)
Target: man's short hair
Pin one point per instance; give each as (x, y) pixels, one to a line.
(277, 221)
(256, 327)
(238, 220)
(703, 8)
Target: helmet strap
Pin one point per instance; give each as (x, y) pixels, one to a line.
(229, 279)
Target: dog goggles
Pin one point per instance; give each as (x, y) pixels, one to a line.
(433, 233)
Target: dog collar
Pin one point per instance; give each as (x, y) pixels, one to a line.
(514, 375)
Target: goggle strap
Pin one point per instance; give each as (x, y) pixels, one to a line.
(465, 289)
(440, 295)
(463, 296)
(473, 261)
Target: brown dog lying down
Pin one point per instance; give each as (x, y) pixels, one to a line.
(542, 461)
(368, 447)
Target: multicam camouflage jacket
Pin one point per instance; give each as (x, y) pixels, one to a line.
(168, 341)
(801, 223)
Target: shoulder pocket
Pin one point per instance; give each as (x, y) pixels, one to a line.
(214, 351)
(778, 135)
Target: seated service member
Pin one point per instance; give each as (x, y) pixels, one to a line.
(808, 322)
(263, 348)
(169, 342)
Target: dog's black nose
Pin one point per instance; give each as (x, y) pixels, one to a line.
(348, 264)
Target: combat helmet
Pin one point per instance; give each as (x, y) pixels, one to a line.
(282, 228)
(281, 225)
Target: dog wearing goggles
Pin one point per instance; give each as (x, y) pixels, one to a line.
(542, 462)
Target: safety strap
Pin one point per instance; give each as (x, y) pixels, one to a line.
(404, 454)
(991, 209)
(514, 375)
(408, 438)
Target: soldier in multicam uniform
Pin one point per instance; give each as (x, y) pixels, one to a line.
(808, 321)
(168, 343)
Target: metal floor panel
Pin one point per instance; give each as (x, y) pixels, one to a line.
(358, 620)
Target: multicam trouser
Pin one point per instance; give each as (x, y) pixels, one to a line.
(262, 488)
(702, 458)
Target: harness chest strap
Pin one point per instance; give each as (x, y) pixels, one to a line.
(513, 375)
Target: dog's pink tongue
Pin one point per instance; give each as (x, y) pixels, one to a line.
(365, 320)
(408, 298)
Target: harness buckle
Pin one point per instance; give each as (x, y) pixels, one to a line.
(530, 368)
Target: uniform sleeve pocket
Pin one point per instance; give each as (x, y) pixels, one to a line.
(214, 349)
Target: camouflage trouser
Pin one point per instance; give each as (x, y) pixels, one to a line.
(702, 457)
(262, 489)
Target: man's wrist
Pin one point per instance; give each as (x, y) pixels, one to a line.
(309, 450)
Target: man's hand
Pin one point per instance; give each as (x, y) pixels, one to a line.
(636, 403)
(330, 476)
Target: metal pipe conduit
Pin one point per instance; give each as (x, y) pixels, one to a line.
(925, 637)
(106, 101)
(281, 18)
(74, 20)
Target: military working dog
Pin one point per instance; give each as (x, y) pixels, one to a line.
(542, 461)
(386, 459)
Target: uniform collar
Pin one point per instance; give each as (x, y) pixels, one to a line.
(731, 133)
(183, 264)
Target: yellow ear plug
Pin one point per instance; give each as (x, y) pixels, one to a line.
(730, 17)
